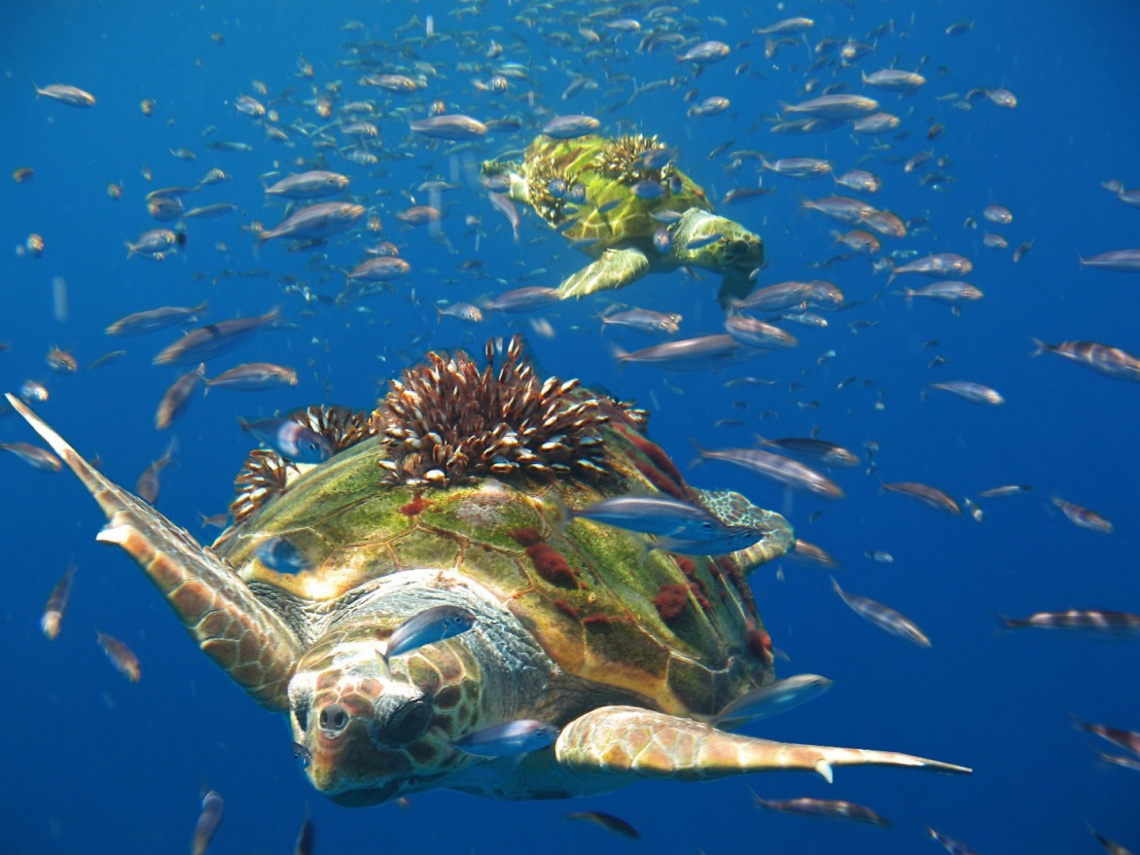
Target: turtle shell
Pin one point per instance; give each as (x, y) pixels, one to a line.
(609, 169)
(679, 633)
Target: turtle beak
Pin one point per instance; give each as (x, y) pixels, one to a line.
(358, 739)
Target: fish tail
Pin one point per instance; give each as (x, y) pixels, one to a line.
(1081, 724)
(1082, 260)
(702, 453)
(563, 515)
(1039, 347)
(619, 354)
(130, 248)
(1006, 622)
(203, 307)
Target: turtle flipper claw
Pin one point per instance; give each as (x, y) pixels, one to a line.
(230, 624)
(648, 744)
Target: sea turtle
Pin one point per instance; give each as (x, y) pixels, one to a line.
(452, 493)
(624, 203)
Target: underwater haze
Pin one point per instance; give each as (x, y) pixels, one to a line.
(1026, 106)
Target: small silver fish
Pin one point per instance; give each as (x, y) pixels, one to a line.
(954, 847)
(974, 392)
(884, 617)
(208, 821)
(1092, 620)
(569, 127)
(1083, 517)
(825, 809)
(34, 456)
(774, 698)
(56, 606)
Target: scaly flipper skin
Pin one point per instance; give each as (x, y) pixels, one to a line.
(650, 744)
(230, 624)
(615, 269)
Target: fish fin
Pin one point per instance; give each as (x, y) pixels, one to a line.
(618, 354)
(824, 770)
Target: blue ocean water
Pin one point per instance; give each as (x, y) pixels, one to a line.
(94, 763)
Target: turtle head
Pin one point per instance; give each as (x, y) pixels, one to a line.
(703, 239)
(375, 730)
(716, 243)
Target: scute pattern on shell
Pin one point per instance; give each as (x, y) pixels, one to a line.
(447, 421)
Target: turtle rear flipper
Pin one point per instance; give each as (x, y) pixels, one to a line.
(252, 643)
(648, 744)
(615, 269)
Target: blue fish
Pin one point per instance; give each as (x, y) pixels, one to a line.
(281, 556)
(647, 190)
(679, 526)
(291, 439)
(506, 740)
(431, 625)
(556, 187)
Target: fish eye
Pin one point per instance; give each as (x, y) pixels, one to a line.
(301, 713)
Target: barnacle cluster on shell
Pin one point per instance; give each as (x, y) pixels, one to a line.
(343, 427)
(448, 421)
(266, 472)
(635, 157)
(540, 172)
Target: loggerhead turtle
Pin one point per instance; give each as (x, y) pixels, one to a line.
(445, 496)
(626, 205)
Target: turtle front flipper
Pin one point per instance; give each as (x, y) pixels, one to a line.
(615, 269)
(736, 285)
(252, 643)
(633, 741)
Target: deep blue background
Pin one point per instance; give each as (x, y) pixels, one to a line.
(93, 763)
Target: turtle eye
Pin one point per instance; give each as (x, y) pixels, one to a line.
(301, 713)
(738, 247)
(406, 723)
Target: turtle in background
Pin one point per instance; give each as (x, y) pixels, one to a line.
(624, 203)
(587, 662)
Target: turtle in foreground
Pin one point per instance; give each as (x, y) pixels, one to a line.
(447, 496)
(626, 205)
